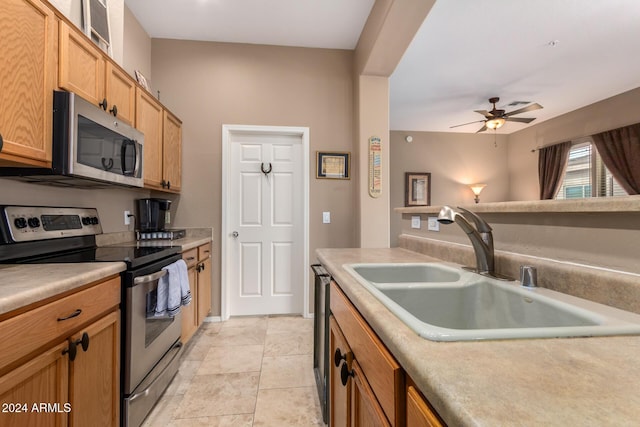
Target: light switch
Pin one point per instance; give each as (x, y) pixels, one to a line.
(326, 217)
(433, 224)
(415, 221)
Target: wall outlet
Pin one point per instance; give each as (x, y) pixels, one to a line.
(127, 217)
(433, 224)
(326, 217)
(415, 221)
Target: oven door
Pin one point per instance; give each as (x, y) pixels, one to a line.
(147, 337)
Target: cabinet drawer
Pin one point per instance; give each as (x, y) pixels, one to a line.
(380, 368)
(190, 257)
(57, 320)
(204, 252)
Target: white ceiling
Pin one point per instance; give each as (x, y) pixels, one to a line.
(466, 51)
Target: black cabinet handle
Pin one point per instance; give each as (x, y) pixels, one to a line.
(169, 185)
(163, 183)
(103, 104)
(345, 373)
(114, 110)
(1, 142)
(71, 316)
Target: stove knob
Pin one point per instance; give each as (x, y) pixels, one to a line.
(86, 220)
(20, 222)
(33, 222)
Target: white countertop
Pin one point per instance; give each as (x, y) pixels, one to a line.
(531, 382)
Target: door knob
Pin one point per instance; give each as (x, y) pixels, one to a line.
(235, 234)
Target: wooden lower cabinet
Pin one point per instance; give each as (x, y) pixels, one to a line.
(94, 387)
(43, 379)
(367, 386)
(419, 412)
(75, 379)
(199, 268)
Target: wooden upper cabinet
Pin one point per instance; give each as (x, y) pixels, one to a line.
(81, 66)
(149, 116)
(27, 73)
(172, 152)
(120, 94)
(84, 70)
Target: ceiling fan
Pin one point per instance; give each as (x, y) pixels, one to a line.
(495, 118)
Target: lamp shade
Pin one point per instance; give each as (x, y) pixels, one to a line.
(477, 188)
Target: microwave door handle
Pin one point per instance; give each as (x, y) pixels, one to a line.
(123, 157)
(137, 149)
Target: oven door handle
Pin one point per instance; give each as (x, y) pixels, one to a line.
(149, 277)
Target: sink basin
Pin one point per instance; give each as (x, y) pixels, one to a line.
(465, 306)
(407, 273)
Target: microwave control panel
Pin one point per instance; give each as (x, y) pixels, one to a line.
(30, 223)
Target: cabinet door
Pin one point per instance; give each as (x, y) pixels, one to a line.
(94, 381)
(190, 312)
(121, 94)
(172, 154)
(149, 122)
(419, 413)
(339, 395)
(43, 379)
(81, 66)
(365, 409)
(26, 82)
(204, 290)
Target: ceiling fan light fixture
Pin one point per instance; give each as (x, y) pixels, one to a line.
(495, 123)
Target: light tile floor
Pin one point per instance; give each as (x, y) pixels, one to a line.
(247, 371)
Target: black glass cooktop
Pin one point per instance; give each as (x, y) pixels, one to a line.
(133, 256)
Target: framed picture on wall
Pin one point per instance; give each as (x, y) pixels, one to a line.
(335, 165)
(417, 189)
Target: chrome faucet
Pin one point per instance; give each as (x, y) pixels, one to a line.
(480, 236)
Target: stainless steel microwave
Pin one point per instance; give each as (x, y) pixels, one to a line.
(91, 148)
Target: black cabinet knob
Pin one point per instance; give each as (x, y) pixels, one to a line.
(1, 142)
(103, 104)
(345, 373)
(114, 110)
(84, 341)
(169, 185)
(71, 350)
(339, 357)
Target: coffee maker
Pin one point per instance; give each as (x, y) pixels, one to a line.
(153, 214)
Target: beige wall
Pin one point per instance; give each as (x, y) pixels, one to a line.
(211, 84)
(454, 161)
(136, 53)
(611, 113)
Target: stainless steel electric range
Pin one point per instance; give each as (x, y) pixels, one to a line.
(150, 345)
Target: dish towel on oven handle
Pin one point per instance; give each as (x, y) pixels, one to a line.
(173, 290)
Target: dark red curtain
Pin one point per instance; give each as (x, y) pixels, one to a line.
(552, 162)
(620, 152)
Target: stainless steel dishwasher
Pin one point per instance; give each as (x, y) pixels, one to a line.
(321, 335)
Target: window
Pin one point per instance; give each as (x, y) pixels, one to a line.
(586, 174)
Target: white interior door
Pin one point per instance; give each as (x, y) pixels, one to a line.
(265, 226)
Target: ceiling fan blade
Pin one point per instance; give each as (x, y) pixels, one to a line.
(521, 119)
(464, 124)
(532, 107)
(485, 113)
(482, 129)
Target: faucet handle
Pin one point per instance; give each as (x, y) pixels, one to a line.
(528, 276)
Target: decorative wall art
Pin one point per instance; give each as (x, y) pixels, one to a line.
(417, 189)
(336, 165)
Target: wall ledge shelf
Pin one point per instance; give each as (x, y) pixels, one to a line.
(608, 204)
